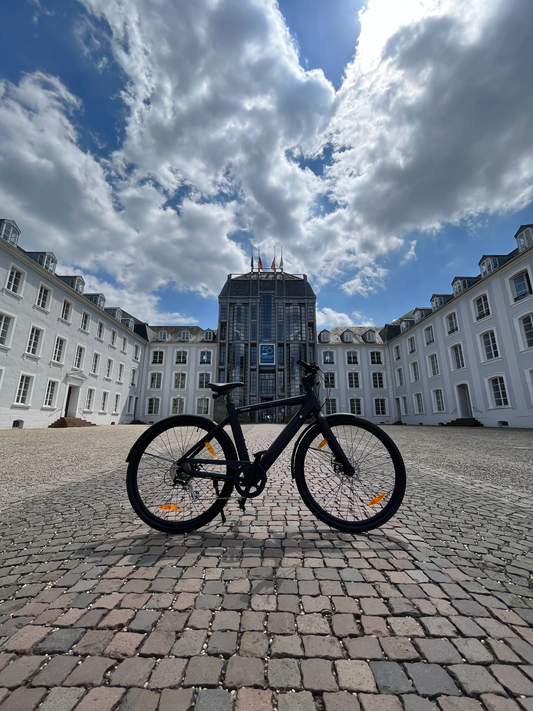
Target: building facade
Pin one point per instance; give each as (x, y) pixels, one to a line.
(469, 355)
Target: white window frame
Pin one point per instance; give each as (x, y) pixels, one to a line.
(182, 375)
(431, 374)
(29, 391)
(204, 400)
(177, 410)
(483, 349)
(353, 410)
(512, 286)
(349, 357)
(63, 350)
(19, 293)
(397, 353)
(403, 405)
(491, 395)
(162, 335)
(185, 336)
(415, 372)
(328, 362)
(130, 405)
(133, 378)
(181, 352)
(476, 312)
(354, 375)
(40, 341)
(156, 376)
(418, 400)
(208, 335)
(82, 358)
(521, 332)
(116, 404)
(427, 330)
(160, 357)
(124, 348)
(453, 327)
(38, 305)
(136, 352)
(113, 340)
(202, 378)
(88, 324)
(376, 357)
(383, 380)
(400, 381)
(330, 406)
(51, 405)
(68, 307)
(453, 359)
(434, 398)
(100, 331)
(109, 369)
(324, 336)
(380, 414)
(121, 371)
(98, 357)
(411, 341)
(104, 402)
(206, 362)
(89, 400)
(9, 331)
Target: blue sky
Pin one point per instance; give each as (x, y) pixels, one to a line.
(385, 145)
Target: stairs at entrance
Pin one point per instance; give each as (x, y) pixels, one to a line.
(71, 422)
(465, 422)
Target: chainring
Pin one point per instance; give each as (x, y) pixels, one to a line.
(256, 487)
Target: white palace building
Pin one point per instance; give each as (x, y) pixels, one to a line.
(67, 358)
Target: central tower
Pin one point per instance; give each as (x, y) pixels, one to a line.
(266, 322)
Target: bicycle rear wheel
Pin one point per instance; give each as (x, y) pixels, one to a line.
(160, 501)
(355, 503)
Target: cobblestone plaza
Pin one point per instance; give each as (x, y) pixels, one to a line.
(272, 610)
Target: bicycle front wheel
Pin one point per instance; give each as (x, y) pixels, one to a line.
(178, 504)
(358, 502)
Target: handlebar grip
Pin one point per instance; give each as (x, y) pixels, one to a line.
(305, 366)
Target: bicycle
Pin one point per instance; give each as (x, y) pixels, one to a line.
(182, 471)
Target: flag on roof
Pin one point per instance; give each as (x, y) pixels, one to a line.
(260, 263)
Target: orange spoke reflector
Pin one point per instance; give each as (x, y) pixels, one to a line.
(169, 507)
(375, 501)
(210, 449)
(322, 444)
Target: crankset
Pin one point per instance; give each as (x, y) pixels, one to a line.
(250, 482)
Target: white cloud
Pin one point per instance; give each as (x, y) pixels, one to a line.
(328, 318)
(411, 254)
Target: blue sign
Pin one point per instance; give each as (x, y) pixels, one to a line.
(267, 354)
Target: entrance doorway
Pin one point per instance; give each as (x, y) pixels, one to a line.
(71, 405)
(465, 406)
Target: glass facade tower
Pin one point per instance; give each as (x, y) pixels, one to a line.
(267, 321)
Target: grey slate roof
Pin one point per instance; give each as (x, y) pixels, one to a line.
(174, 334)
(336, 332)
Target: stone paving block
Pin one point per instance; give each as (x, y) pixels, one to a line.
(203, 671)
(417, 703)
(140, 700)
(253, 700)
(431, 680)
(55, 671)
(132, 672)
(341, 701)
(93, 642)
(399, 649)
(375, 626)
(287, 646)
(252, 621)
(382, 702)
(244, 671)
(62, 699)
(284, 674)
(26, 639)
(101, 699)
(172, 621)
(495, 629)
(512, 679)
(124, 644)
(167, 673)
(355, 675)
(473, 651)
(405, 627)
(175, 699)
(300, 701)
(235, 602)
(144, 620)
(223, 620)
(499, 703)
(363, 648)
(90, 672)
(345, 626)
(20, 671)
(390, 678)
(468, 627)
(323, 646)
(312, 624)
(439, 651)
(158, 644)
(475, 679)
(453, 703)
(210, 699)
(522, 648)
(438, 627)
(317, 675)
(189, 643)
(60, 641)
(23, 699)
(222, 643)
(253, 644)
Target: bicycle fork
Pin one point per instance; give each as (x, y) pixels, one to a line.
(335, 447)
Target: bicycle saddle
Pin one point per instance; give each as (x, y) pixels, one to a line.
(221, 388)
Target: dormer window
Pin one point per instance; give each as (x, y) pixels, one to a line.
(9, 231)
(324, 336)
(185, 335)
(162, 336)
(437, 302)
(488, 265)
(525, 239)
(347, 337)
(208, 336)
(459, 285)
(370, 337)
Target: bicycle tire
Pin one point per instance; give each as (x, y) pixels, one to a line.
(355, 503)
(155, 499)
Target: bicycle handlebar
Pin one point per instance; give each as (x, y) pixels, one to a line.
(313, 368)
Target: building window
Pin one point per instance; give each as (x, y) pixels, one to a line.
(120, 372)
(419, 404)
(208, 336)
(405, 411)
(347, 337)
(328, 358)
(439, 400)
(43, 297)
(109, 368)
(324, 336)
(179, 381)
(23, 390)
(527, 326)
(353, 380)
(177, 405)
(377, 380)
(411, 344)
(59, 349)
(162, 336)
(33, 341)
(482, 307)
(525, 239)
(490, 346)
(117, 404)
(100, 330)
(397, 354)
(457, 357)
(130, 405)
(399, 377)
(181, 357)
(136, 352)
(375, 358)
(49, 398)
(66, 310)
(451, 323)
(205, 357)
(521, 286)
(155, 381)
(103, 407)
(124, 344)
(153, 406)
(78, 358)
(352, 358)
(430, 337)
(5, 322)
(202, 406)
(415, 372)
(329, 380)
(85, 320)
(499, 392)
(355, 406)
(95, 365)
(203, 380)
(380, 406)
(185, 335)
(90, 399)
(330, 406)
(433, 365)
(14, 281)
(157, 358)
(133, 381)
(113, 338)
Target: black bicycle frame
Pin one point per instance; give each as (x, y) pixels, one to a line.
(309, 404)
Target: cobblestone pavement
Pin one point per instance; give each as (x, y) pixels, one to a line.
(273, 610)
